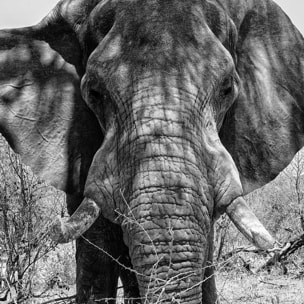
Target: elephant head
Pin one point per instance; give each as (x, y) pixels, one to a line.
(163, 114)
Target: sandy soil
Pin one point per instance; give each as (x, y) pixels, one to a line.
(260, 289)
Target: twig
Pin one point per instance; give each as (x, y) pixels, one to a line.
(60, 299)
(274, 284)
(289, 248)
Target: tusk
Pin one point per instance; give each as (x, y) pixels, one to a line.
(250, 226)
(80, 221)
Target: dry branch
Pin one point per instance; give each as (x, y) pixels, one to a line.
(278, 257)
(231, 253)
(288, 249)
(62, 300)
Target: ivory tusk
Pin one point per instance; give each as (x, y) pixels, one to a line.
(80, 221)
(250, 226)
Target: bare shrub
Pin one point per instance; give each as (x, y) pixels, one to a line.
(27, 206)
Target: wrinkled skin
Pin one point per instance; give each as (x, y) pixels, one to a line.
(161, 115)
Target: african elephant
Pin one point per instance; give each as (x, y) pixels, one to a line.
(155, 117)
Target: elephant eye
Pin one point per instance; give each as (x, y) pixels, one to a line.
(100, 103)
(100, 100)
(95, 95)
(227, 87)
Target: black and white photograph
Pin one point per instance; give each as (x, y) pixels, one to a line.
(151, 152)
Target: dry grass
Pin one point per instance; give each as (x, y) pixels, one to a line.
(244, 288)
(235, 287)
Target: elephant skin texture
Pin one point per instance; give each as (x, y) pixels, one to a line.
(155, 117)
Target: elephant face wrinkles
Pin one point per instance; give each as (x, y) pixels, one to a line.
(139, 142)
(138, 62)
(161, 45)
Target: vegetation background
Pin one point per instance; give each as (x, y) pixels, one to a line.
(34, 270)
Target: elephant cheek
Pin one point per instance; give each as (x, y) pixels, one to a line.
(102, 178)
(228, 198)
(101, 191)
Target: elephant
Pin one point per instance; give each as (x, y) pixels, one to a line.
(155, 117)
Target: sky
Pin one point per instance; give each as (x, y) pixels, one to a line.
(18, 13)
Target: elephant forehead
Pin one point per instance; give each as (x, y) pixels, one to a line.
(159, 21)
(170, 36)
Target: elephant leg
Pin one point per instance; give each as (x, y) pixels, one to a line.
(97, 272)
(129, 281)
(208, 286)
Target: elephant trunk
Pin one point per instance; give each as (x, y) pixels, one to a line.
(167, 205)
(166, 232)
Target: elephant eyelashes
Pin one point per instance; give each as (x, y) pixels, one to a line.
(94, 95)
(227, 87)
(95, 99)
(100, 103)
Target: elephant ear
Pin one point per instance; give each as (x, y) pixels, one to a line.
(42, 114)
(264, 127)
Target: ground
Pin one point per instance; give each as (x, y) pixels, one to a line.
(245, 288)
(241, 287)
